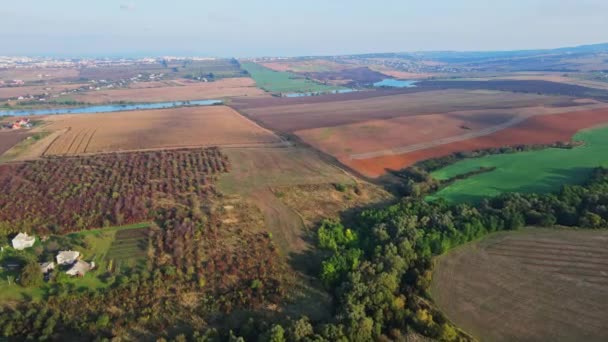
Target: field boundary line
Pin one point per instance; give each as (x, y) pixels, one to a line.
(423, 146)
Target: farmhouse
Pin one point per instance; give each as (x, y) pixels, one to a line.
(23, 241)
(67, 257)
(21, 123)
(80, 268)
(46, 267)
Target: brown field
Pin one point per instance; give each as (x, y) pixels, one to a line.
(530, 285)
(38, 74)
(309, 113)
(9, 139)
(544, 129)
(14, 92)
(314, 65)
(378, 135)
(550, 77)
(350, 76)
(154, 129)
(226, 87)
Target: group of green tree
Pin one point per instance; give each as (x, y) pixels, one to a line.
(380, 269)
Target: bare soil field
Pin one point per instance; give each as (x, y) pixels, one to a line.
(351, 76)
(378, 135)
(154, 129)
(14, 92)
(39, 74)
(226, 87)
(309, 65)
(529, 285)
(550, 77)
(543, 129)
(11, 138)
(522, 86)
(291, 116)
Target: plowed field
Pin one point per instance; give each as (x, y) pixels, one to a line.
(531, 285)
(293, 115)
(536, 130)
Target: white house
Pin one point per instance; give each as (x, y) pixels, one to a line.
(23, 241)
(46, 267)
(80, 268)
(67, 257)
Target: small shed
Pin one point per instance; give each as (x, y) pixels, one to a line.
(46, 267)
(23, 241)
(67, 257)
(80, 268)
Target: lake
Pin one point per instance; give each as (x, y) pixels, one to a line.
(393, 83)
(108, 108)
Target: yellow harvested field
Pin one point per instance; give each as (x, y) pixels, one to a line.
(154, 129)
(227, 87)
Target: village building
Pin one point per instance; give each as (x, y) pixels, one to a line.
(23, 241)
(46, 267)
(67, 257)
(80, 268)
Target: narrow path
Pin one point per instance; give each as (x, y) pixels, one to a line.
(285, 225)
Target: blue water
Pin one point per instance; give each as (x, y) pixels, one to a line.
(339, 91)
(109, 108)
(391, 82)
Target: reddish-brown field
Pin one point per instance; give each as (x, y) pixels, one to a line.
(11, 138)
(536, 130)
(227, 87)
(154, 129)
(378, 135)
(308, 113)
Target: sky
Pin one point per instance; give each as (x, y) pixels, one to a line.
(240, 28)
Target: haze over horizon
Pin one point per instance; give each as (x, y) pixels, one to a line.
(243, 29)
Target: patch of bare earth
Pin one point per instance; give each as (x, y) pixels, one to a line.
(530, 285)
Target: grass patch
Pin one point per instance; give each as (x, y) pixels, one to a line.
(534, 171)
(283, 82)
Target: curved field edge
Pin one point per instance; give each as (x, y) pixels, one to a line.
(532, 284)
(535, 171)
(545, 129)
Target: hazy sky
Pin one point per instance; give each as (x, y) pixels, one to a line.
(289, 27)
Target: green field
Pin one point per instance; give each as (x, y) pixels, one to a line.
(283, 82)
(536, 171)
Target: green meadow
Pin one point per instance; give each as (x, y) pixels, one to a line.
(283, 82)
(535, 171)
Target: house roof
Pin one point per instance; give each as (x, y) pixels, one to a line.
(79, 268)
(67, 257)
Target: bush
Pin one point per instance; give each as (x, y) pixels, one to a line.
(31, 275)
